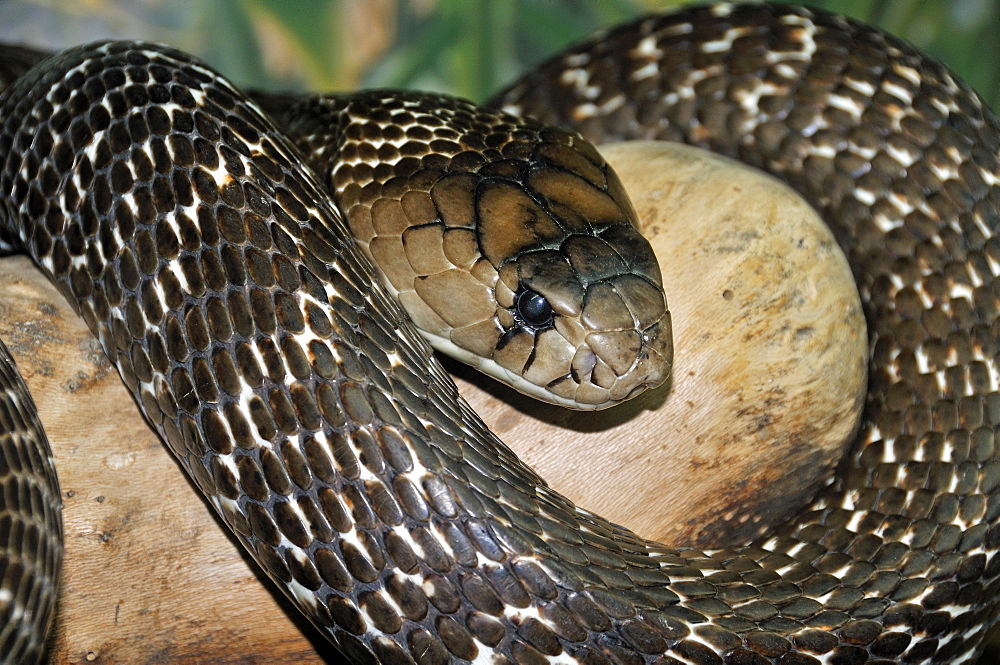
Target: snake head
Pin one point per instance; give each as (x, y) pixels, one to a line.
(564, 298)
(511, 244)
(581, 312)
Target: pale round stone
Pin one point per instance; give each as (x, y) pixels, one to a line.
(769, 372)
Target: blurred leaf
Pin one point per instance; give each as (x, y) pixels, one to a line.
(414, 55)
(290, 38)
(480, 44)
(228, 41)
(466, 47)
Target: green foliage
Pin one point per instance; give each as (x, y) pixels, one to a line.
(471, 47)
(466, 47)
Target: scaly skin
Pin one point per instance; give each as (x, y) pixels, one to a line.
(261, 346)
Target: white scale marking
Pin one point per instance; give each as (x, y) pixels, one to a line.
(352, 538)
(888, 449)
(864, 87)
(485, 655)
(584, 111)
(785, 70)
(985, 230)
(849, 500)
(886, 224)
(961, 291)
(649, 70)
(864, 196)
(304, 597)
(174, 269)
(647, 48)
(750, 99)
(943, 171)
(725, 43)
(901, 203)
(846, 104)
(898, 91)
(825, 151)
(908, 73)
(612, 104)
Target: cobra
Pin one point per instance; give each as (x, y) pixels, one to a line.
(342, 457)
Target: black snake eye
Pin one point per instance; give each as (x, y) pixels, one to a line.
(533, 309)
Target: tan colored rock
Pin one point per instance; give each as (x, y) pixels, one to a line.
(151, 577)
(769, 370)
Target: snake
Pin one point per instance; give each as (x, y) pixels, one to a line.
(192, 228)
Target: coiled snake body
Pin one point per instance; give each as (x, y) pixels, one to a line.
(220, 281)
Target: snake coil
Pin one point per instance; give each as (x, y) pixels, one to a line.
(253, 334)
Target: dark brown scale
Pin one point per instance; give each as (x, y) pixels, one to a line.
(239, 427)
(224, 480)
(357, 564)
(290, 525)
(426, 649)
(232, 195)
(382, 613)
(383, 408)
(303, 572)
(262, 526)
(295, 464)
(524, 654)
(274, 367)
(333, 509)
(383, 503)
(317, 522)
(410, 500)
(456, 638)
(204, 380)
(410, 598)
(252, 481)
(272, 562)
(161, 157)
(264, 315)
(274, 470)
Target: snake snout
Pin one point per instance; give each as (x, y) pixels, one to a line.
(610, 317)
(626, 346)
(624, 363)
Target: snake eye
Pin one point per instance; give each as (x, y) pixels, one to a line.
(533, 310)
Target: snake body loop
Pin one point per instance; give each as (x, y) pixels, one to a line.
(256, 339)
